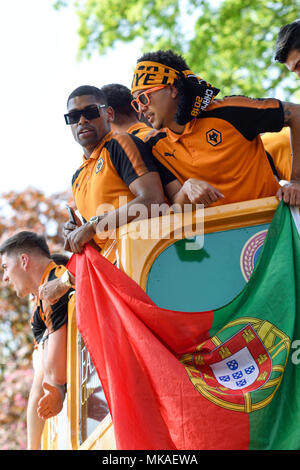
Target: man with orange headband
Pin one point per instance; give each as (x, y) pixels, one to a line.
(217, 140)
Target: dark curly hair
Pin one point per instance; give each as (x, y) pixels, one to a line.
(169, 58)
(177, 62)
(189, 88)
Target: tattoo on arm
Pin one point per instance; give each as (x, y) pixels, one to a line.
(287, 113)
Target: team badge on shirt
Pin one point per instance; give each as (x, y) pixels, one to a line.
(213, 137)
(99, 165)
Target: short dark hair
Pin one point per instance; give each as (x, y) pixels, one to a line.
(119, 97)
(25, 242)
(287, 40)
(88, 90)
(59, 258)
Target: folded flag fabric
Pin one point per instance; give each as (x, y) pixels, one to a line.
(222, 379)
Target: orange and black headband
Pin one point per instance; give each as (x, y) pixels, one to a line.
(149, 74)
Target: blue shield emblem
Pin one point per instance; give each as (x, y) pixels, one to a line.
(238, 372)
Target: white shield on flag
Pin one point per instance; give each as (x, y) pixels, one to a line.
(237, 371)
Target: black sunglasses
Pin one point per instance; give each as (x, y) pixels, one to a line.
(91, 112)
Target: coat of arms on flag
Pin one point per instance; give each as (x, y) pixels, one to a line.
(231, 370)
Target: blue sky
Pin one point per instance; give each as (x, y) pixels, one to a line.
(39, 69)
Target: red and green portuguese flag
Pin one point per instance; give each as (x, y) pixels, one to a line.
(223, 379)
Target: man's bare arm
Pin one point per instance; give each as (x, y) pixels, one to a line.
(148, 192)
(290, 193)
(35, 424)
(55, 367)
(52, 291)
(192, 192)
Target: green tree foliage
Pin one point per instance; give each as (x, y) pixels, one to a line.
(229, 43)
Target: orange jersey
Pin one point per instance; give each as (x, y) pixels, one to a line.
(102, 182)
(139, 129)
(223, 147)
(46, 317)
(278, 146)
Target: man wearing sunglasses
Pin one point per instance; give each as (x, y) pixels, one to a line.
(127, 118)
(115, 168)
(217, 139)
(118, 176)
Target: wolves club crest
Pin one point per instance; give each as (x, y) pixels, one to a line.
(213, 137)
(241, 367)
(99, 165)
